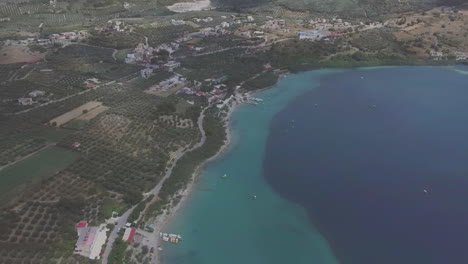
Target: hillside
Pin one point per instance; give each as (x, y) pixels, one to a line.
(346, 8)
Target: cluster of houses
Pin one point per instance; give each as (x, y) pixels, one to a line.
(144, 53)
(210, 31)
(217, 93)
(63, 38)
(175, 81)
(72, 35)
(36, 94)
(115, 26)
(461, 55)
(90, 240)
(276, 25)
(91, 83)
(206, 19)
(317, 34)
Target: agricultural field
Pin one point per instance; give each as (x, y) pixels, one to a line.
(235, 64)
(11, 54)
(33, 169)
(156, 36)
(83, 112)
(125, 147)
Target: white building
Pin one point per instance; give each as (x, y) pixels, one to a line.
(36, 93)
(146, 73)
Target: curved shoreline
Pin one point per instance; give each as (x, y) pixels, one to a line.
(162, 221)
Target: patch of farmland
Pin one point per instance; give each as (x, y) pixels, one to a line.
(75, 113)
(36, 167)
(82, 52)
(93, 113)
(9, 10)
(16, 54)
(61, 19)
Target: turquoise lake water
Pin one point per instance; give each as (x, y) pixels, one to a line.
(222, 223)
(305, 218)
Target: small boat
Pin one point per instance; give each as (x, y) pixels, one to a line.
(224, 176)
(425, 191)
(255, 197)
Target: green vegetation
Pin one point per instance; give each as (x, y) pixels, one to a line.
(182, 172)
(108, 206)
(263, 81)
(117, 254)
(232, 63)
(294, 54)
(41, 165)
(135, 215)
(125, 150)
(75, 124)
(375, 40)
(125, 40)
(158, 76)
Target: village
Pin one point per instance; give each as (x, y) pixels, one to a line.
(128, 96)
(260, 32)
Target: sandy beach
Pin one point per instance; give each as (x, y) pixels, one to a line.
(162, 220)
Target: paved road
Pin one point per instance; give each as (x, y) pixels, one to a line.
(123, 219)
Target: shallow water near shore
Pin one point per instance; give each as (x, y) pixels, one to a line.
(357, 166)
(221, 222)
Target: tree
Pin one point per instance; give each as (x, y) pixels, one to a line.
(144, 250)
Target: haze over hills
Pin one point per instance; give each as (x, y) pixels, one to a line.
(346, 7)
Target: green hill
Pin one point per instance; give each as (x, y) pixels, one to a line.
(369, 8)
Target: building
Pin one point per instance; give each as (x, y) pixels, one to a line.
(171, 65)
(311, 34)
(90, 240)
(36, 93)
(146, 73)
(129, 235)
(25, 101)
(85, 241)
(250, 18)
(177, 22)
(219, 80)
(82, 224)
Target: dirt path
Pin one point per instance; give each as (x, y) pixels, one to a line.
(123, 219)
(27, 156)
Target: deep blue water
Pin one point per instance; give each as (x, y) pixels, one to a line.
(358, 153)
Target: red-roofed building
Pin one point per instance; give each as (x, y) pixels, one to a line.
(129, 235)
(82, 224)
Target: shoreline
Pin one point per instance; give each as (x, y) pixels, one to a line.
(162, 220)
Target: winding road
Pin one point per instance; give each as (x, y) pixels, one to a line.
(122, 220)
